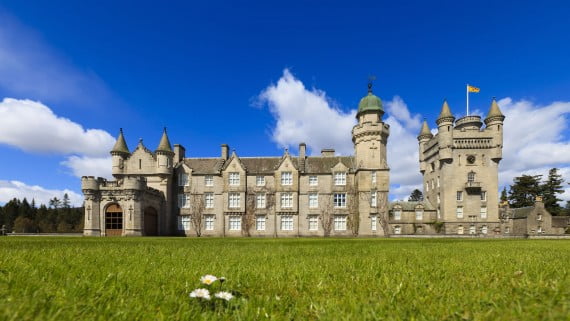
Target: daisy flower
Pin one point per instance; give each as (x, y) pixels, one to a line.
(208, 279)
(224, 295)
(200, 293)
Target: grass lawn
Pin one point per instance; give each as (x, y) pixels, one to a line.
(46, 278)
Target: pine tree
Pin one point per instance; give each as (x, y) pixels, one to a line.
(504, 197)
(550, 189)
(416, 196)
(65, 202)
(525, 190)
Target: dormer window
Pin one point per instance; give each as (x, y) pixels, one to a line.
(234, 179)
(286, 178)
(340, 178)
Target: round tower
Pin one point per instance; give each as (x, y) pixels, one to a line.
(119, 153)
(164, 155)
(494, 125)
(445, 132)
(423, 138)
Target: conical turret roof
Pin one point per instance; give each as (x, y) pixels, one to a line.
(164, 145)
(425, 132)
(494, 110)
(120, 144)
(445, 111)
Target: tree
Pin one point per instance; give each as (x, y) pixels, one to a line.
(197, 206)
(54, 203)
(416, 196)
(504, 196)
(550, 189)
(525, 190)
(567, 208)
(353, 204)
(65, 203)
(326, 214)
(248, 218)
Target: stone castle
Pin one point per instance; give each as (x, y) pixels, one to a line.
(166, 193)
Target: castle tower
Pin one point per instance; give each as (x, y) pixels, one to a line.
(370, 137)
(164, 155)
(119, 153)
(460, 171)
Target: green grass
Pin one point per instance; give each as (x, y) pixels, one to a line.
(45, 278)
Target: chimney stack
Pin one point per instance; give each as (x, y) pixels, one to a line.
(327, 152)
(179, 153)
(225, 151)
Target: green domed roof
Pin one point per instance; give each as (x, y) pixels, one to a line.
(370, 102)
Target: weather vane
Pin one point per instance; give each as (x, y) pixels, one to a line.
(371, 79)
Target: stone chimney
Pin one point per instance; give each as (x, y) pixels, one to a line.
(302, 156)
(327, 152)
(225, 151)
(179, 153)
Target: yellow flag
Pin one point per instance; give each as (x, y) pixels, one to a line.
(472, 89)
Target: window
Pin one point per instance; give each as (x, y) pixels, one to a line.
(539, 217)
(287, 222)
(438, 181)
(209, 180)
(183, 201)
(235, 222)
(313, 180)
(460, 212)
(438, 199)
(471, 177)
(286, 200)
(260, 200)
(182, 179)
(483, 196)
(460, 229)
(374, 222)
(339, 222)
(539, 230)
(432, 184)
(373, 177)
(183, 223)
(459, 195)
(483, 212)
(340, 178)
(472, 229)
(313, 200)
(339, 199)
(397, 229)
(260, 223)
(260, 180)
(373, 199)
(427, 186)
(438, 213)
(419, 214)
(286, 178)
(234, 179)
(234, 200)
(484, 229)
(397, 214)
(313, 222)
(209, 222)
(209, 200)
(507, 230)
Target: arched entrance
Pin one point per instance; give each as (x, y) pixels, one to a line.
(150, 222)
(114, 220)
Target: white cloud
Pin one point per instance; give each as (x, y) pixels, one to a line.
(89, 166)
(30, 68)
(307, 116)
(20, 190)
(33, 127)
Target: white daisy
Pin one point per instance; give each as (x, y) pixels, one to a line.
(208, 279)
(224, 295)
(200, 293)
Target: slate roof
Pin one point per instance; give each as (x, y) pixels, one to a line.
(263, 165)
(411, 206)
(323, 165)
(522, 212)
(560, 221)
(205, 166)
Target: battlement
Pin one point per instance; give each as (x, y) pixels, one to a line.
(127, 182)
(469, 123)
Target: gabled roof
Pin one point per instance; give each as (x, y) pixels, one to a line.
(560, 221)
(522, 212)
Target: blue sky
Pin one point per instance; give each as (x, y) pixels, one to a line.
(250, 67)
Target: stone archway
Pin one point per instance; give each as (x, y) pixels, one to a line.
(150, 222)
(114, 220)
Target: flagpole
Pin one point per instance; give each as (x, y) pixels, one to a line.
(467, 95)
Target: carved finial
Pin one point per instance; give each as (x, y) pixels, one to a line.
(371, 79)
